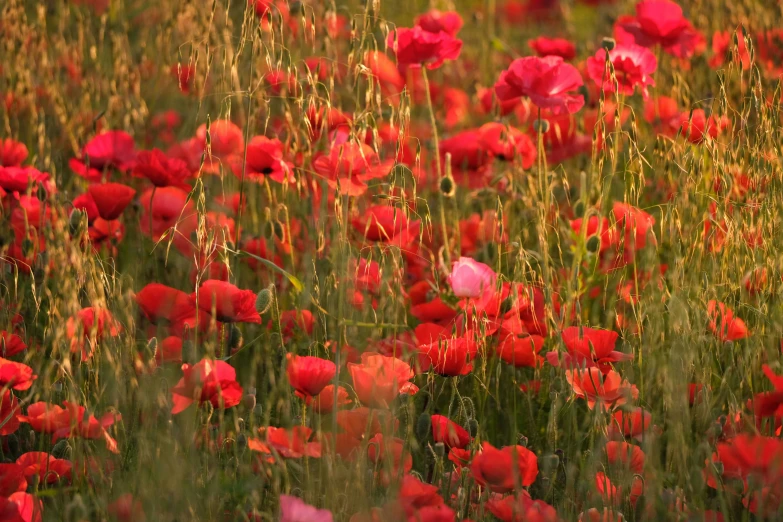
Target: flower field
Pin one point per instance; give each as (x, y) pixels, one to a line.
(391, 260)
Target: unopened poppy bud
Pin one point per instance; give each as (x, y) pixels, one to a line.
(13, 445)
(472, 427)
(235, 339)
(593, 244)
(27, 247)
(423, 426)
(264, 299)
(608, 43)
(249, 400)
(241, 441)
(550, 462)
(716, 430)
(522, 441)
(152, 345)
(447, 186)
(541, 125)
(269, 230)
(279, 230)
(60, 449)
(440, 449)
(728, 345)
(42, 194)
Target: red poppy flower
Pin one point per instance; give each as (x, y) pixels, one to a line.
(16, 375)
(169, 350)
(290, 444)
(264, 158)
(9, 411)
(722, 42)
(520, 351)
(417, 46)
(521, 508)
(546, 81)
(350, 165)
(633, 67)
(225, 138)
(21, 507)
(111, 149)
(544, 46)
(11, 344)
(19, 179)
(95, 324)
(663, 114)
(635, 222)
(387, 452)
(111, 198)
(162, 304)
(12, 479)
(70, 421)
(292, 321)
(377, 380)
(597, 227)
(752, 455)
(415, 495)
(12, 153)
(723, 324)
(697, 127)
(625, 455)
(126, 508)
(450, 356)
(769, 46)
(161, 170)
(309, 375)
(507, 143)
(769, 404)
(633, 422)
(206, 381)
(495, 468)
(608, 390)
(385, 72)
(449, 432)
(660, 22)
(434, 21)
(427, 306)
(230, 304)
(382, 222)
(49, 469)
(324, 401)
(591, 346)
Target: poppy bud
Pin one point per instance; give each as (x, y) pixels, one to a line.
(249, 400)
(42, 194)
(235, 339)
(241, 441)
(472, 427)
(541, 126)
(593, 244)
(447, 186)
(264, 299)
(279, 231)
(550, 462)
(608, 43)
(152, 345)
(269, 230)
(440, 449)
(61, 450)
(13, 445)
(522, 441)
(423, 426)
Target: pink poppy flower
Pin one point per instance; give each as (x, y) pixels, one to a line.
(633, 67)
(471, 279)
(546, 81)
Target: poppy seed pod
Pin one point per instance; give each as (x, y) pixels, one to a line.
(541, 126)
(608, 43)
(440, 449)
(75, 220)
(249, 400)
(447, 186)
(264, 299)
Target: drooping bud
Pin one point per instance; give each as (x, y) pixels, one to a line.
(264, 299)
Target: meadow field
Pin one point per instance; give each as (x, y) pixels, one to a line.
(391, 260)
